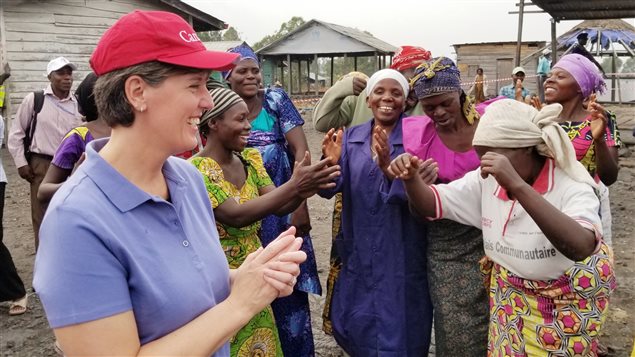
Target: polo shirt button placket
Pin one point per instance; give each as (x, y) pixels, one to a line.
(186, 243)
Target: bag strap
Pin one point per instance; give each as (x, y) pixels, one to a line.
(38, 103)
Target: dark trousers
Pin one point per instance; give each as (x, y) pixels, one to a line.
(11, 286)
(39, 165)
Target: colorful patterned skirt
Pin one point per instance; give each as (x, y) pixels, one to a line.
(258, 338)
(335, 265)
(559, 317)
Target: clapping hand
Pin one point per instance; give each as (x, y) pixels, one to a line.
(407, 167)
(519, 90)
(382, 150)
(268, 273)
(309, 178)
(332, 145)
(599, 120)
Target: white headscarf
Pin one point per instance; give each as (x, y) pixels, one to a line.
(509, 123)
(387, 73)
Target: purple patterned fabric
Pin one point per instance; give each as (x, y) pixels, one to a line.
(584, 72)
(245, 52)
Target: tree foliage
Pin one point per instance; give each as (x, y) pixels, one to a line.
(231, 34)
(284, 29)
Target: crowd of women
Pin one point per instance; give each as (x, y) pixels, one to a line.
(146, 253)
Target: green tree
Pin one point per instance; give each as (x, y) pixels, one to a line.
(629, 65)
(209, 36)
(284, 29)
(231, 35)
(607, 64)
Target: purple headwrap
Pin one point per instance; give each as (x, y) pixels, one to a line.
(245, 52)
(435, 76)
(584, 72)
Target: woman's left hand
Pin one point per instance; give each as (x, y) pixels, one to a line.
(301, 221)
(599, 120)
(501, 168)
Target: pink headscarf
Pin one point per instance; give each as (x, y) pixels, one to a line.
(585, 73)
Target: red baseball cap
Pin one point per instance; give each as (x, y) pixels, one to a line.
(144, 36)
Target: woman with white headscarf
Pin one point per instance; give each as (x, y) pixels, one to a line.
(549, 274)
(380, 304)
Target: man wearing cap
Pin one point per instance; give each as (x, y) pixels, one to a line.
(59, 114)
(344, 104)
(516, 89)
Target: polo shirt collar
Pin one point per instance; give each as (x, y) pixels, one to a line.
(121, 192)
(543, 184)
(49, 91)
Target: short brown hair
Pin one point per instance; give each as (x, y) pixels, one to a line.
(110, 95)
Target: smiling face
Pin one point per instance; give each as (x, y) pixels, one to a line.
(245, 78)
(444, 109)
(232, 128)
(560, 86)
(174, 109)
(387, 101)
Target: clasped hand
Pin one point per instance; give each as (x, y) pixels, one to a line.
(268, 273)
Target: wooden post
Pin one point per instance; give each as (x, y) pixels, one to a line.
(376, 57)
(355, 63)
(290, 89)
(308, 77)
(521, 9)
(332, 65)
(554, 42)
(316, 68)
(614, 71)
(391, 60)
(281, 66)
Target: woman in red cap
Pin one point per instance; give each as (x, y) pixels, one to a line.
(130, 261)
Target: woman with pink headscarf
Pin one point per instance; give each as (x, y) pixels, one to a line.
(573, 81)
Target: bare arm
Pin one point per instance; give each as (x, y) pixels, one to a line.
(265, 275)
(568, 236)
(606, 157)
(305, 182)
(53, 180)
(414, 172)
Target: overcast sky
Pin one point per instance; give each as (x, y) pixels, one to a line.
(434, 25)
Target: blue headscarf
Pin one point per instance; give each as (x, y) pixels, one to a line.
(245, 52)
(438, 75)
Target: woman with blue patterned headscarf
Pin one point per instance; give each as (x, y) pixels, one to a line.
(277, 133)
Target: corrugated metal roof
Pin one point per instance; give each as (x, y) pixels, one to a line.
(361, 36)
(222, 46)
(587, 9)
(359, 41)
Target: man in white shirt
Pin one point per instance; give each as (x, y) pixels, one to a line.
(58, 115)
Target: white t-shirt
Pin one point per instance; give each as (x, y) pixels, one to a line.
(511, 237)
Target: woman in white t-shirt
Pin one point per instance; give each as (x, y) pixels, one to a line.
(549, 272)
(11, 286)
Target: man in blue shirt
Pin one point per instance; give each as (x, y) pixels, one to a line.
(544, 66)
(518, 76)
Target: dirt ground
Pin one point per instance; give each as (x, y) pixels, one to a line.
(29, 335)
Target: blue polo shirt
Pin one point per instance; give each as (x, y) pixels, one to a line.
(107, 247)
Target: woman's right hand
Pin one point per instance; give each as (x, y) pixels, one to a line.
(332, 145)
(309, 179)
(268, 273)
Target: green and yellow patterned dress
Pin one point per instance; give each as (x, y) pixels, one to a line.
(260, 336)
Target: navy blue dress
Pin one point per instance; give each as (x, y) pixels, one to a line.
(381, 305)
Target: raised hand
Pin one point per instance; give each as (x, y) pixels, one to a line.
(359, 84)
(519, 90)
(535, 102)
(599, 120)
(309, 178)
(332, 145)
(501, 168)
(268, 273)
(381, 149)
(428, 171)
